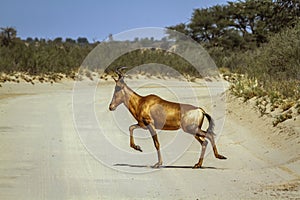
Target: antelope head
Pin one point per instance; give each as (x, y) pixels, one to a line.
(119, 94)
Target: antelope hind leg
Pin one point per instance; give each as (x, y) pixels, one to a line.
(203, 143)
(210, 137)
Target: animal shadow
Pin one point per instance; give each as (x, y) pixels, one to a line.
(163, 166)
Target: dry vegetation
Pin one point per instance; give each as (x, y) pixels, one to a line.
(270, 103)
(257, 50)
(270, 75)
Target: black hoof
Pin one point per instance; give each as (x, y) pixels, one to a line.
(197, 166)
(137, 147)
(221, 157)
(157, 165)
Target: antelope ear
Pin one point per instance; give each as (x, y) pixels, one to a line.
(115, 79)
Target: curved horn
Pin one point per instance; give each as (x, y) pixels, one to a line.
(120, 74)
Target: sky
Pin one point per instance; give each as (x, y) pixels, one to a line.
(94, 19)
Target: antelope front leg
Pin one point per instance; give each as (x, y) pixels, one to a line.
(156, 144)
(132, 144)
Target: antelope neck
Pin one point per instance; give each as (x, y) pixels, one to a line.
(131, 100)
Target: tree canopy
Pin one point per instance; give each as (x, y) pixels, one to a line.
(240, 24)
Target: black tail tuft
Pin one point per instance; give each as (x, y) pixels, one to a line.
(211, 125)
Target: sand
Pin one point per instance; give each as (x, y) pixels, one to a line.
(46, 153)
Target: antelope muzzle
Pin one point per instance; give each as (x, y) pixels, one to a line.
(112, 107)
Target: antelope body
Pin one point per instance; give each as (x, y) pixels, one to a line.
(152, 112)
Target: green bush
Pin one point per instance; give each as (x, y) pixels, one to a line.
(275, 65)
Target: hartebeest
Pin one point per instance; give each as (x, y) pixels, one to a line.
(153, 112)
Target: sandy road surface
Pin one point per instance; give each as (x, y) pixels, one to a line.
(42, 156)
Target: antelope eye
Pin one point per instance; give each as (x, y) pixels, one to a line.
(118, 88)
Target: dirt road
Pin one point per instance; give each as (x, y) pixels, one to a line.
(43, 155)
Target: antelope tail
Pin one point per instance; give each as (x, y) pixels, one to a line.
(211, 125)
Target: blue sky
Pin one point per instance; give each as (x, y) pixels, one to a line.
(93, 19)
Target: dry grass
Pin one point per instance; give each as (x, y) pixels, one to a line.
(271, 103)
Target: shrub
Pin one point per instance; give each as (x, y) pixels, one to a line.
(276, 65)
